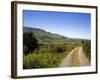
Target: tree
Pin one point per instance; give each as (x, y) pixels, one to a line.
(30, 43)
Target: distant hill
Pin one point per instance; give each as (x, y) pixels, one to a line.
(48, 37)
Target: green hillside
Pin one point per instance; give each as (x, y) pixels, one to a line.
(48, 37)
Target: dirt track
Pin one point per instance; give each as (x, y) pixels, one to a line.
(75, 58)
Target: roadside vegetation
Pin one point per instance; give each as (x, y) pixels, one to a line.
(86, 44)
(49, 55)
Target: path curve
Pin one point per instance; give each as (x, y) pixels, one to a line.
(75, 58)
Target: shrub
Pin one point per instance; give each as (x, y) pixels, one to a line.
(30, 43)
(86, 44)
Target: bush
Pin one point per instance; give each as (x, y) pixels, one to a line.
(86, 44)
(25, 49)
(30, 43)
(58, 49)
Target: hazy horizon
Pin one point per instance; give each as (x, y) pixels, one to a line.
(68, 24)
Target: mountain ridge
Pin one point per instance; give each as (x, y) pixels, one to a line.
(48, 37)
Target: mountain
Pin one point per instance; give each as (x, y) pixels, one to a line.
(48, 37)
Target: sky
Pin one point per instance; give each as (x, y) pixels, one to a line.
(69, 24)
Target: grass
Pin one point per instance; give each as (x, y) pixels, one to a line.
(47, 56)
(44, 60)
